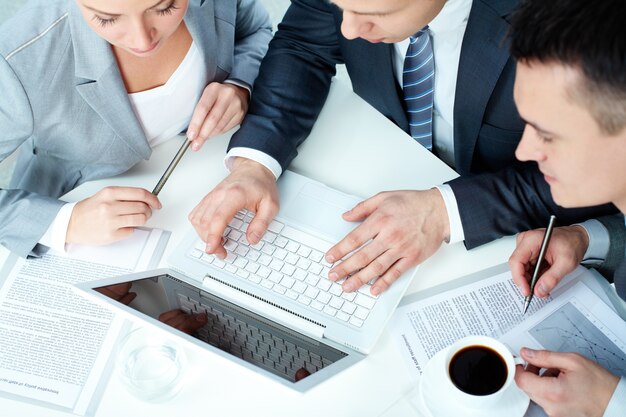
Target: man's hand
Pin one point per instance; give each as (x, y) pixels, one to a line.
(400, 230)
(119, 292)
(565, 251)
(221, 107)
(186, 323)
(572, 386)
(251, 186)
(110, 215)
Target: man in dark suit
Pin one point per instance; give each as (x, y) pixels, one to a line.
(473, 123)
(570, 89)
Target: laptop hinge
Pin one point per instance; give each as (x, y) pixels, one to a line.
(263, 307)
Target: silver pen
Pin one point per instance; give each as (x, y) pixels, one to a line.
(171, 166)
(540, 259)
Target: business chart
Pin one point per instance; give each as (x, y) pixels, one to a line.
(569, 329)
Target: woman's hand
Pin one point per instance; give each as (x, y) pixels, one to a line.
(221, 107)
(110, 215)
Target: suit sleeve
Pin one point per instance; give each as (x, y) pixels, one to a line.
(253, 31)
(24, 216)
(293, 82)
(617, 242)
(509, 201)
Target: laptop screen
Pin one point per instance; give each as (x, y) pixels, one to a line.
(226, 326)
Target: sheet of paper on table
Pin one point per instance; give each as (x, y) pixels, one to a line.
(581, 316)
(55, 345)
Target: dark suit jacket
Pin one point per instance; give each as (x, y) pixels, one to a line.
(294, 81)
(614, 267)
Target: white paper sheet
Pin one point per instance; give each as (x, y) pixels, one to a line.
(54, 344)
(574, 318)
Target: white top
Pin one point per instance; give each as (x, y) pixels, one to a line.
(163, 112)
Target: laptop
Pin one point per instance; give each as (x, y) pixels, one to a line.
(270, 306)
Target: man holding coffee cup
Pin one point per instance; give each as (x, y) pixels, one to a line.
(570, 89)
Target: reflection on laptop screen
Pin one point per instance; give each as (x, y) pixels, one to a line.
(235, 330)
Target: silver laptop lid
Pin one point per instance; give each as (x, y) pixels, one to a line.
(253, 341)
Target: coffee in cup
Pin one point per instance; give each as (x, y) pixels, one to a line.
(478, 371)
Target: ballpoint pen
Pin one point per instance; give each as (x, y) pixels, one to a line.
(540, 259)
(171, 166)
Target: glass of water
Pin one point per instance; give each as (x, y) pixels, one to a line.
(150, 365)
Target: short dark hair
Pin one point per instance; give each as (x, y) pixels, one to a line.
(583, 34)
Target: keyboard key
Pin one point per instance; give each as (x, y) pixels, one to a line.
(269, 237)
(240, 262)
(311, 292)
(337, 302)
(288, 269)
(300, 275)
(330, 311)
(276, 277)
(342, 316)
(324, 297)
(230, 245)
(304, 300)
(356, 322)
(316, 256)
(267, 284)
(275, 226)
(335, 289)
(281, 242)
(219, 263)
(255, 278)
(292, 246)
(304, 251)
(312, 279)
(361, 313)
(230, 258)
(367, 290)
(235, 235)
(280, 253)
(253, 255)
(241, 250)
(264, 271)
(268, 249)
(365, 301)
(348, 307)
(196, 253)
(303, 263)
(235, 223)
(279, 289)
(317, 305)
(324, 284)
(276, 264)
(299, 287)
(315, 268)
(292, 294)
(265, 260)
(291, 258)
(252, 267)
(287, 282)
(243, 273)
(230, 268)
(348, 296)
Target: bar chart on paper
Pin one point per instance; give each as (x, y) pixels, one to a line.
(572, 328)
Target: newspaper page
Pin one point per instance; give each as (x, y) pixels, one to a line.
(54, 344)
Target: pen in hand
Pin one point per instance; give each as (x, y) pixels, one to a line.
(540, 260)
(171, 166)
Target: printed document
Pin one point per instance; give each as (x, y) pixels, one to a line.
(54, 344)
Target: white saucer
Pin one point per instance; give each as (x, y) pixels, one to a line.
(514, 402)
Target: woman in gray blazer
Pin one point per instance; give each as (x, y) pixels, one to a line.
(89, 86)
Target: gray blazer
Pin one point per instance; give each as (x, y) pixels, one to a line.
(64, 105)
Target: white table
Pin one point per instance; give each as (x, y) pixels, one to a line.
(354, 149)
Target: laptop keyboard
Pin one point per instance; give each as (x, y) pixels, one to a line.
(260, 344)
(290, 263)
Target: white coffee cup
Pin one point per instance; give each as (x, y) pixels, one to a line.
(497, 382)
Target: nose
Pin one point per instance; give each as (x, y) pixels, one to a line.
(353, 26)
(530, 146)
(142, 35)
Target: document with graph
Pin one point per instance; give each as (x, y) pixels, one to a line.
(576, 321)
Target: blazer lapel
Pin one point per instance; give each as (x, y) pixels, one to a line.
(100, 84)
(200, 21)
(377, 82)
(483, 56)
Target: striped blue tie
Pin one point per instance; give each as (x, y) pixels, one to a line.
(417, 84)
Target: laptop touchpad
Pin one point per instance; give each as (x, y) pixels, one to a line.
(319, 209)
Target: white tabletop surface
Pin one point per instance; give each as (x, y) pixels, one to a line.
(352, 148)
